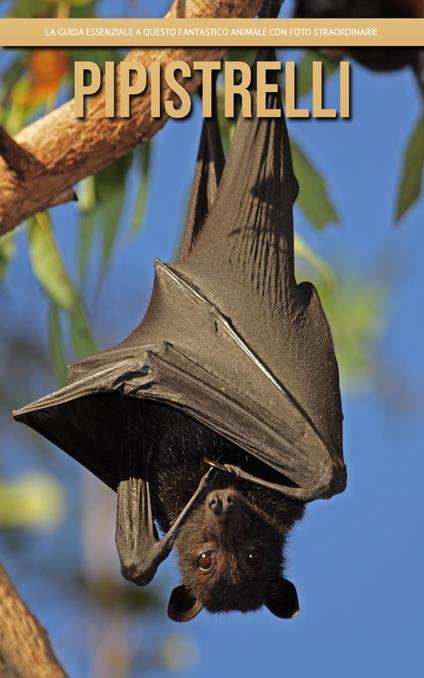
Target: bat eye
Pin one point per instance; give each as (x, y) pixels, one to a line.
(205, 561)
(254, 556)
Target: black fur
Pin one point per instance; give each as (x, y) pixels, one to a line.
(264, 518)
(180, 446)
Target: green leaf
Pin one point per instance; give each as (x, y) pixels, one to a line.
(108, 593)
(177, 653)
(82, 338)
(313, 199)
(110, 189)
(34, 500)
(80, 3)
(304, 70)
(144, 157)
(246, 54)
(51, 272)
(226, 125)
(85, 240)
(87, 225)
(47, 262)
(27, 8)
(56, 344)
(83, 10)
(356, 314)
(413, 165)
(97, 54)
(14, 117)
(7, 250)
(101, 201)
(10, 76)
(303, 250)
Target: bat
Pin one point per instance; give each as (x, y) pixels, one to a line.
(219, 416)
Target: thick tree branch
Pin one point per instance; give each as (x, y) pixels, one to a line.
(25, 650)
(39, 167)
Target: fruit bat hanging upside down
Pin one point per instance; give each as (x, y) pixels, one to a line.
(220, 415)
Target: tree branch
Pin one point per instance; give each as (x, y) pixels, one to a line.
(25, 650)
(39, 167)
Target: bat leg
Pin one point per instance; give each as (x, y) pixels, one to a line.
(139, 547)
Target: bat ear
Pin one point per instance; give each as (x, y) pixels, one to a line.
(183, 606)
(282, 599)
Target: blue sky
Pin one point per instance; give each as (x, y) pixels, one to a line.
(358, 559)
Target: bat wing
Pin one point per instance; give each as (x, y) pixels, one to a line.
(229, 337)
(209, 166)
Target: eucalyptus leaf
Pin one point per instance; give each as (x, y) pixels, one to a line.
(108, 593)
(356, 315)
(303, 250)
(28, 8)
(56, 344)
(97, 54)
(313, 198)
(245, 54)
(82, 338)
(34, 500)
(177, 653)
(304, 70)
(81, 3)
(110, 190)
(87, 229)
(226, 125)
(47, 262)
(87, 222)
(83, 9)
(144, 157)
(7, 251)
(413, 164)
(10, 76)
(51, 272)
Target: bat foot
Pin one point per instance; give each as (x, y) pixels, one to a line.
(130, 571)
(140, 572)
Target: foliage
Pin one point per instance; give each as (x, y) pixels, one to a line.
(7, 250)
(32, 83)
(413, 166)
(49, 269)
(313, 196)
(33, 500)
(355, 312)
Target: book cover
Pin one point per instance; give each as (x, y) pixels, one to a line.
(210, 286)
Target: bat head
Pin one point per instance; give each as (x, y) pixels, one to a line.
(230, 556)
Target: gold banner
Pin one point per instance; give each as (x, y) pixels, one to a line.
(212, 32)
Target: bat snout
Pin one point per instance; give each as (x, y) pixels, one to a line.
(221, 502)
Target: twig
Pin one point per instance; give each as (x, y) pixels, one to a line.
(59, 150)
(25, 650)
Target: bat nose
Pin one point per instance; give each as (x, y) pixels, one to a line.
(221, 502)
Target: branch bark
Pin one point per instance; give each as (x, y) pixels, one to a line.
(39, 167)
(25, 650)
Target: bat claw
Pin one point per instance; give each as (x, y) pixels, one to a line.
(207, 477)
(222, 467)
(214, 464)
